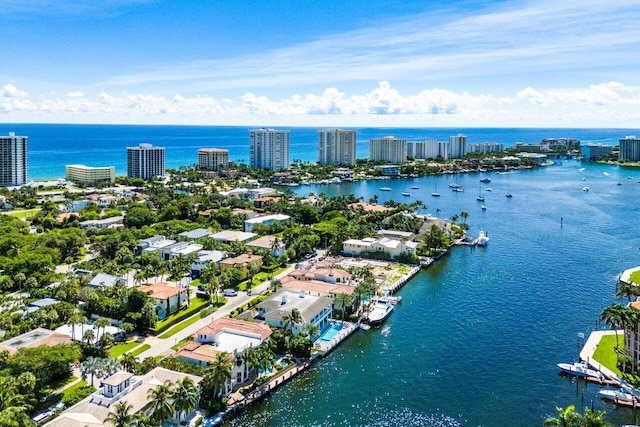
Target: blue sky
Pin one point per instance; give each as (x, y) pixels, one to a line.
(330, 63)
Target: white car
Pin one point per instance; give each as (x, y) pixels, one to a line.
(230, 293)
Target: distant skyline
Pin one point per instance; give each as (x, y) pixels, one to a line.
(412, 63)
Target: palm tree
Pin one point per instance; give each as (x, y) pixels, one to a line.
(185, 397)
(88, 336)
(613, 316)
(161, 402)
(311, 330)
(594, 419)
(627, 290)
(143, 420)
(567, 417)
(342, 302)
(121, 417)
(220, 371)
(92, 366)
(129, 362)
(292, 319)
(275, 284)
(101, 322)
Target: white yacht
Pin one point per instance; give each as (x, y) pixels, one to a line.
(482, 239)
(380, 311)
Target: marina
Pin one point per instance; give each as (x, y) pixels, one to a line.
(482, 308)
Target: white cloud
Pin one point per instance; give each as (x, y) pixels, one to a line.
(75, 94)
(610, 104)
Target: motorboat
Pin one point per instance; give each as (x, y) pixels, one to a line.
(579, 369)
(616, 395)
(489, 190)
(414, 187)
(459, 190)
(585, 188)
(483, 207)
(380, 311)
(406, 194)
(485, 179)
(385, 189)
(480, 198)
(482, 239)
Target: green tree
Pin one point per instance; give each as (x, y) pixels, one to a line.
(292, 319)
(219, 372)
(566, 417)
(121, 415)
(161, 398)
(185, 396)
(343, 302)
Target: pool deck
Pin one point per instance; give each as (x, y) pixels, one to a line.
(326, 347)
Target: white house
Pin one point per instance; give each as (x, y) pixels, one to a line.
(355, 247)
(169, 299)
(179, 249)
(225, 335)
(267, 243)
(313, 310)
(120, 387)
(266, 220)
(206, 258)
(105, 280)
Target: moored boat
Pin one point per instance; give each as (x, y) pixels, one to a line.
(614, 395)
(406, 194)
(482, 239)
(380, 311)
(385, 189)
(579, 369)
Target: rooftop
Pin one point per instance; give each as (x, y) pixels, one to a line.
(230, 235)
(161, 290)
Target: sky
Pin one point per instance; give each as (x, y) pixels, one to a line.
(360, 63)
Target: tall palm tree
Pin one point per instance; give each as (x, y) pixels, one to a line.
(92, 366)
(121, 416)
(567, 417)
(185, 397)
(275, 284)
(143, 420)
(613, 316)
(342, 302)
(311, 330)
(161, 399)
(627, 290)
(292, 319)
(101, 322)
(219, 372)
(129, 362)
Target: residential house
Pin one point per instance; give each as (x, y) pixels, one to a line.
(242, 262)
(105, 280)
(265, 220)
(35, 338)
(355, 247)
(206, 258)
(194, 235)
(174, 250)
(315, 287)
(225, 335)
(233, 236)
(112, 222)
(169, 299)
(313, 310)
(268, 243)
(94, 410)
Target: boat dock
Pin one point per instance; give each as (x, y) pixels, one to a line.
(403, 280)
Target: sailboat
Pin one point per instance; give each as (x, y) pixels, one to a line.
(480, 197)
(435, 193)
(509, 195)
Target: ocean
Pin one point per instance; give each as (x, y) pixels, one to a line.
(52, 146)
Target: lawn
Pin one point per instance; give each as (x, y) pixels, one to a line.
(180, 326)
(635, 277)
(76, 386)
(140, 350)
(604, 353)
(195, 305)
(23, 213)
(120, 349)
(181, 342)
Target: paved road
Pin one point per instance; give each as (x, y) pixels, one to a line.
(162, 346)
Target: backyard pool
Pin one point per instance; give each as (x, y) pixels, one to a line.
(330, 333)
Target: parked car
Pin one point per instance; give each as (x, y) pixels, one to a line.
(230, 293)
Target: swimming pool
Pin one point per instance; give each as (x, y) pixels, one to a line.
(330, 333)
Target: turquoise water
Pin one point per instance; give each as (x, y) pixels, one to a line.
(52, 146)
(478, 335)
(330, 333)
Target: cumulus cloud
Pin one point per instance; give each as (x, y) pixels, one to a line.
(612, 104)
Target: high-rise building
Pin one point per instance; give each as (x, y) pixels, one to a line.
(592, 151)
(388, 149)
(213, 159)
(13, 160)
(429, 149)
(269, 149)
(457, 146)
(485, 147)
(337, 147)
(90, 175)
(629, 149)
(145, 161)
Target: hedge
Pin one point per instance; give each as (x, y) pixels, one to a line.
(195, 305)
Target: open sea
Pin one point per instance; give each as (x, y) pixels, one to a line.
(478, 335)
(52, 146)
